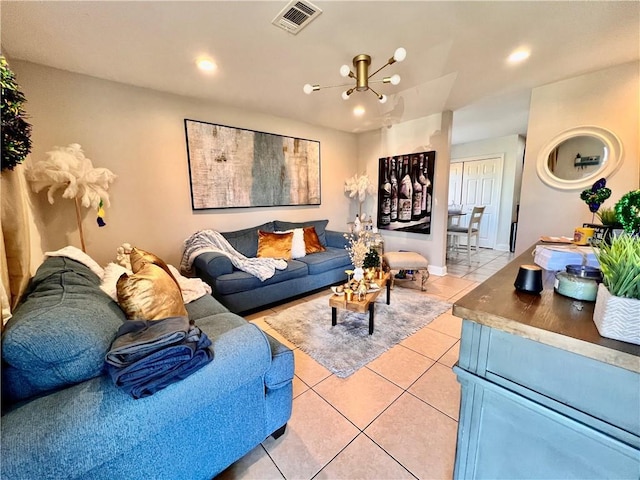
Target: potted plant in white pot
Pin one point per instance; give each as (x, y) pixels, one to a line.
(617, 308)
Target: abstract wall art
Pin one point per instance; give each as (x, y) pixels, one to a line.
(234, 167)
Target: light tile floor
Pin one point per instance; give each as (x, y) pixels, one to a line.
(395, 418)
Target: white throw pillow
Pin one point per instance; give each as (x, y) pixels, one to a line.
(298, 249)
(112, 273)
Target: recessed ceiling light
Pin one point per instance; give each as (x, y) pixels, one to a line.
(519, 55)
(358, 111)
(206, 65)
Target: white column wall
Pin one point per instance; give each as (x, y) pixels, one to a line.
(424, 134)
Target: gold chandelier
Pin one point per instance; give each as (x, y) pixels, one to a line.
(361, 65)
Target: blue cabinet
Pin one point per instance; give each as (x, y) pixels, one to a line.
(543, 394)
(529, 410)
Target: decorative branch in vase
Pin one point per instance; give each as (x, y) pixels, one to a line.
(359, 186)
(357, 248)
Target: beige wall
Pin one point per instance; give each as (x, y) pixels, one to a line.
(511, 148)
(139, 135)
(607, 98)
(428, 133)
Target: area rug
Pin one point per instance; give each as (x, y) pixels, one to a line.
(345, 348)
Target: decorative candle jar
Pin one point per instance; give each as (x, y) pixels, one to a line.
(579, 282)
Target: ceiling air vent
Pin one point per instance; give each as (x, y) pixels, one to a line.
(296, 15)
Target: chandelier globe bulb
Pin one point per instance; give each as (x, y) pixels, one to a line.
(345, 70)
(395, 79)
(400, 54)
(307, 89)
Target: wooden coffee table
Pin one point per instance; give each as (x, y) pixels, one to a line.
(368, 304)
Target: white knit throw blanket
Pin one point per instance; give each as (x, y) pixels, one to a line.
(210, 241)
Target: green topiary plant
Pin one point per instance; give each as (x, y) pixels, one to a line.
(16, 132)
(371, 259)
(620, 265)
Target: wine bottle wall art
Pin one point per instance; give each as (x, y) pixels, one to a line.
(405, 191)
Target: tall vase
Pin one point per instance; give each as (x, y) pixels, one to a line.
(358, 274)
(357, 225)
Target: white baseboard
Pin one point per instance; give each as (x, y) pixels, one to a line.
(438, 271)
(502, 247)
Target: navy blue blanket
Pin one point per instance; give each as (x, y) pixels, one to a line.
(138, 338)
(147, 356)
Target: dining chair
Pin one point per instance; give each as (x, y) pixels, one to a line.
(470, 231)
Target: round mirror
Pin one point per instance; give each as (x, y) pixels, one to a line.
(577, 157)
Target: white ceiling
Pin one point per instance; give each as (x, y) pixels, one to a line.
(455, 61)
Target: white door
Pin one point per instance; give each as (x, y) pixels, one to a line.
(481, 185)
(455, 183)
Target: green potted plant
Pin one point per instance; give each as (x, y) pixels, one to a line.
(608, 217)
(610, 225)
(617, 309)
(371, 259)
(16, 132)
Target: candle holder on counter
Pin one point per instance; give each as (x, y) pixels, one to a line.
(529, 279)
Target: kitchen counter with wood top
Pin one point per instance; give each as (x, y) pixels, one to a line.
(548, 318)
(543, 394)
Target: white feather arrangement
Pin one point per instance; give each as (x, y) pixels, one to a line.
(67, 168)
(360, 186)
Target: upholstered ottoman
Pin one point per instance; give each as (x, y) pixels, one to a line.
(407, 261)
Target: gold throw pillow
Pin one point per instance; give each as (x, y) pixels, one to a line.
(150, 294)
(140, 257)
(311, 241)
(274, 245)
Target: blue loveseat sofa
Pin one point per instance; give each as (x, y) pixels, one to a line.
(241, 292)
(63, 418)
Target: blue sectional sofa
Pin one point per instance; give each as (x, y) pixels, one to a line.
(63, 417)
(241, 292)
